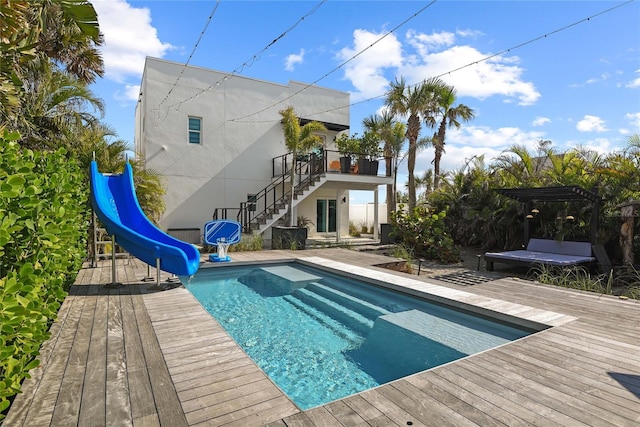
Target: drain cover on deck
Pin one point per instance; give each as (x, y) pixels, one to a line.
(465, 278)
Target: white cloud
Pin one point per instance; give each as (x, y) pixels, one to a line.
(540, 121)
(129, 37)
(602, 77)
(598, 145)
(483, 79)
(293, 59)
(469, 141)
(366, 72)
(501, 138)
(425, 43)
(469, 33)
(434, 55)
(591, 124)
(130, 93)
(634, 119)
(635, 82)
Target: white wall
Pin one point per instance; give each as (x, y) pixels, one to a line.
(363, 213)
(308, 208)
(235, 156)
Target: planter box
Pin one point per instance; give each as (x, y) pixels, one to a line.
(345, 164)
(294, 238)
(364, 167)
(385, 234)
(373, 169)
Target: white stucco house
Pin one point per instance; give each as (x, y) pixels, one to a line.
(218, 140)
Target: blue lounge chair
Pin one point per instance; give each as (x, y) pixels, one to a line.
(221, 233)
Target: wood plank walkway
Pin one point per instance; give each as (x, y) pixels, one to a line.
(133, 357)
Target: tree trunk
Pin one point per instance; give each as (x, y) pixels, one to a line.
(626, 233)
(436, 166)
(289, 219)
(411, 165)
(390, 195)
(438, 148)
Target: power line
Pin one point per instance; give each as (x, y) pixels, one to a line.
(341, 65)
(249, 62)
(184, 67)
(535, 39)
(450, 71)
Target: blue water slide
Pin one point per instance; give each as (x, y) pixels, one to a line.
(114, 200)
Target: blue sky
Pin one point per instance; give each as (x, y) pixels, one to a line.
(576, 87)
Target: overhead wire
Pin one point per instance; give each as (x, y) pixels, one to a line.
(488, 57)
(193, 51)
(342, 64)
(249, 62)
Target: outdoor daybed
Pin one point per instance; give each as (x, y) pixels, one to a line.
(544, 251)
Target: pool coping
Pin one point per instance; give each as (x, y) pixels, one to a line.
(581, 371)
(534, 319)
(518, 314)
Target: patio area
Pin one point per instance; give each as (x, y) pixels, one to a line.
(131, 356)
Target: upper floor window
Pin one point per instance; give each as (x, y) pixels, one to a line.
(195, 130)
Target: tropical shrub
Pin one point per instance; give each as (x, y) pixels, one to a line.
(478, 216)
(43, 223)
(424, 233)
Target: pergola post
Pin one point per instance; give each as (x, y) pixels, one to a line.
(595, 223)
(527, 221)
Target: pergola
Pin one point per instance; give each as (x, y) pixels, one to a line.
(555, 194)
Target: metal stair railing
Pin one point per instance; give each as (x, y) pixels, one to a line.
(275, 196)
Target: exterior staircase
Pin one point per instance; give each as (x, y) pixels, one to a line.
(270, 204)
(275, 214)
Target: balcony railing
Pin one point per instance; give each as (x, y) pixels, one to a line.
(275, 196)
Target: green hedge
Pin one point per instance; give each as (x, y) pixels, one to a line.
(424, 234)
(43, 230)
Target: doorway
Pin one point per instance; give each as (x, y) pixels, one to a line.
(326, 215)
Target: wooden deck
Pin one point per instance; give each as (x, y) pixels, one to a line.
(130, 356)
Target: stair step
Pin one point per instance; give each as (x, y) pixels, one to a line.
(358, 305)
(344, 315)
(338, 328)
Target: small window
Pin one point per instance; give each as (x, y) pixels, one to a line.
(251, 202)
(195, 130)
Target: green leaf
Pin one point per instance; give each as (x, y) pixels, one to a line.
(16, 181)
(11, 286)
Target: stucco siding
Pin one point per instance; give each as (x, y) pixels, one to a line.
(240, 134)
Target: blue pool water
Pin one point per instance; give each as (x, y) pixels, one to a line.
(321, 337)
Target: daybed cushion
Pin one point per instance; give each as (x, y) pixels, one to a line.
(540, 257)
(560, 247)
(545, 251)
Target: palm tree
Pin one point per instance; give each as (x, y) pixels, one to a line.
(411, 102)
(426, 181)
(111, 154)
(53, 103)
(448, 115)
(71, 37)
(298, 139)
(392, 133)
(61, 31)
(517, 167)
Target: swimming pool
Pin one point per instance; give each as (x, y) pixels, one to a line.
(321, 336)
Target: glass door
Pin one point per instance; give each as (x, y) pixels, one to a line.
(326, 215)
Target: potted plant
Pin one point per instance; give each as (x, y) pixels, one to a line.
(370, 152)
(347, 146)
(299, 140)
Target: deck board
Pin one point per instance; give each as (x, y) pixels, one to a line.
(132, 356)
